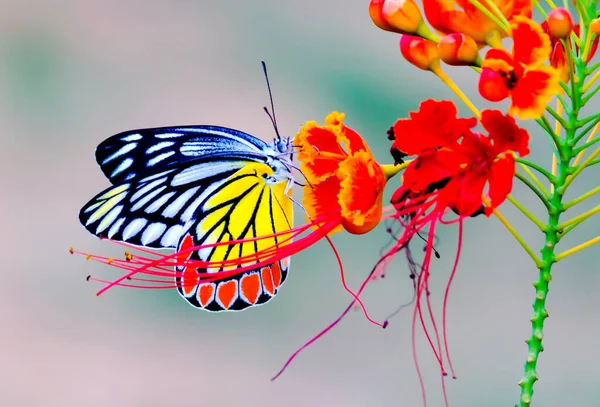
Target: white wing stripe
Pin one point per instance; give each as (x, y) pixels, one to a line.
(147, 198)
(147, 188)
(173, 209)
(153, 232)
(159, 158)
(134, 228)
(204, 170)
(123, 150)
(126, 163)
(159, 146)
(171, 236)
(115, 227)
(132, 137)
(156, 205)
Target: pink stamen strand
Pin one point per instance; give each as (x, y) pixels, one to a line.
(155, 267)
(446, 293)
(330, 326)
(341, 266)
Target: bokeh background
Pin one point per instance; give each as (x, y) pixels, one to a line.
(75, 72)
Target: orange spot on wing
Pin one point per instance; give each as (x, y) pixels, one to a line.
(250, 288)
(189, 281)
(276, 273)
(206, 292)
(285, 263)
(227, 293)
(267, 279)
(184, 247)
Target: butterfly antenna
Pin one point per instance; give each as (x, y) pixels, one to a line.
(271, 114)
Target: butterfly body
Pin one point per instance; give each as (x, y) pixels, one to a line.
(182, 187)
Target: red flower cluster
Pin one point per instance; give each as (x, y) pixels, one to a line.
(454, 164)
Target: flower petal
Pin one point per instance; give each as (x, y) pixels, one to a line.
(361, 192)
(500, 179)
(505, 133)
(319, 150)
(464, 193)
(322, 199)
(531, 46)
(533, 92)
(434, 125)
(430, 167)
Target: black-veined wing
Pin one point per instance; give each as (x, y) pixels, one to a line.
(156, 210)
(140, 153)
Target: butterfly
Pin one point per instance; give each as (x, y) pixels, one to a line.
(188, 186)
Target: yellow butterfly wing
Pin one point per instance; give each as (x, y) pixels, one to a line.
(248, 205)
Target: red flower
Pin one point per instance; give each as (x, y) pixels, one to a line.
(520, 74)
(449, 152)
(455, 168)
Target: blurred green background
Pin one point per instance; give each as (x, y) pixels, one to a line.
(73, 73)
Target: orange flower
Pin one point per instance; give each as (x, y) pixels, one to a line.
(460, 16)
(520, 75)
(343, 178)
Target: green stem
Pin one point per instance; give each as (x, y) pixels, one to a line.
(536, 167)
(581, 198)
(526, 212)
(559, 119)
(592, 68)
(580, 218)
(584, 132)
(534, 342)
(591, 94)
(528, 183)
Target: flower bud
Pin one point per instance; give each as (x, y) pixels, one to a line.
(458, 49)
(560, 23)
(399, 16)
(492, 86)
(420, 52)
(595, 26)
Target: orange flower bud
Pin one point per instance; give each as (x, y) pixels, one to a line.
(595, 26)
(560, 23)
(458, 49)
(399, 16)
(420, 52)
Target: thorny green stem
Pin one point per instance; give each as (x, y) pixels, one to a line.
(541, 287)
(554, 230)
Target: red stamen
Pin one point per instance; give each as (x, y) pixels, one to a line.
(339, 260)
(454, 268)
(330, 326)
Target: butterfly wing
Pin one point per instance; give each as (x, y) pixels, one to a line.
(245, 207)
(181, 186)
(156, 210)
(139, 153)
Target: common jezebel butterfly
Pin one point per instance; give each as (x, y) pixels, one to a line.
(181, 187)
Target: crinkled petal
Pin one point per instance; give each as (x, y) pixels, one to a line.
(431, 167)
(531, 46)
(361, 192)
(319, 150)
(500, 179)
(434, 125)
(505, 133)
(464, 193)
(322, 199)
(533, 92)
